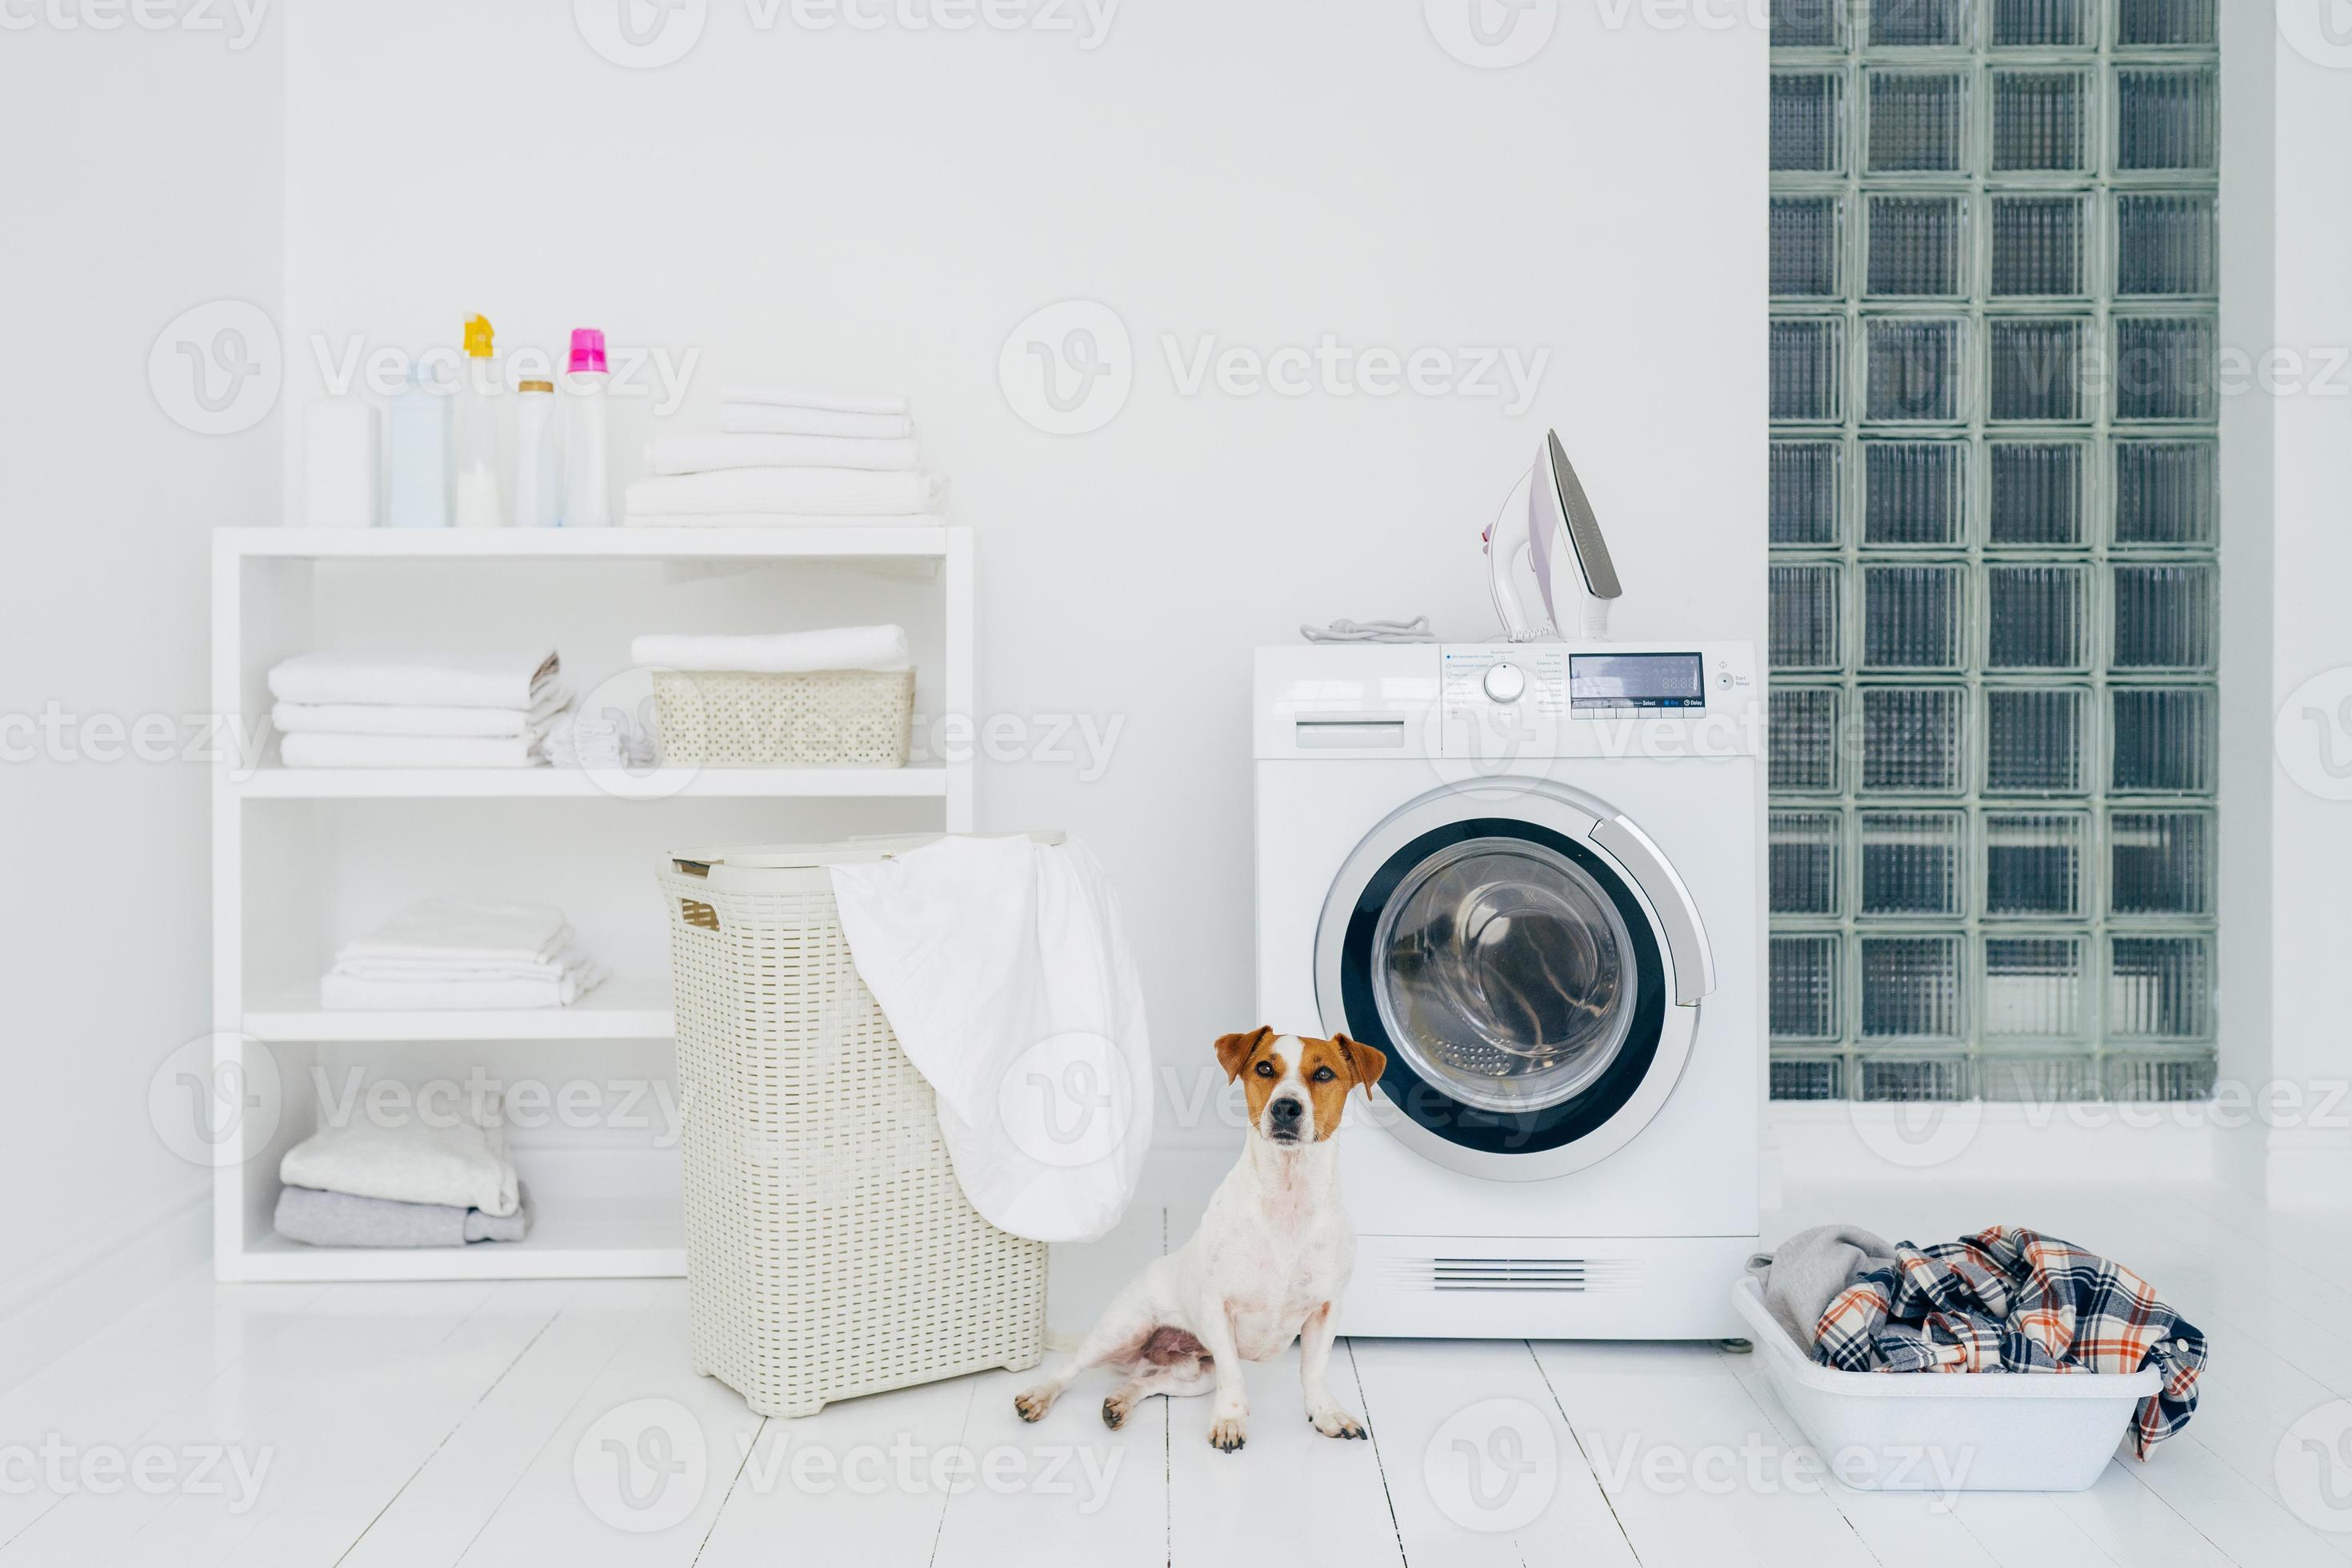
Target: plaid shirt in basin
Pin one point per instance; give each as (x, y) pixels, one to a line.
(2011, 1300)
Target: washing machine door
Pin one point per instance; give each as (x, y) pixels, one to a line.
(1531, 964)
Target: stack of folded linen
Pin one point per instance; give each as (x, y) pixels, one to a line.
(458, 954)
(782, 458)
(412, 1184)
(444, 711)
(778, 653)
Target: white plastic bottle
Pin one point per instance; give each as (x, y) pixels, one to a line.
(476, 435)
(420, 454)
(539, 471)
(587, 465)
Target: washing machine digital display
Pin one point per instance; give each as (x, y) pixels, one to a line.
(1624, 680)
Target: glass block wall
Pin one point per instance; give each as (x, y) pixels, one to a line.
(1993, 514)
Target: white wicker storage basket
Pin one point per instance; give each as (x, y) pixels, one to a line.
(829, 1250)
(828, 718)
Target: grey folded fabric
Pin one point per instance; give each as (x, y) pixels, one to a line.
(1801, 1278)
(339, 1219)
(1411, 631)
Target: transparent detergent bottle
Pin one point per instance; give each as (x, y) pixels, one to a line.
(587, 461)
(476, 437)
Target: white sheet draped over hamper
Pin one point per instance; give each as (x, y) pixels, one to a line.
(1004, 971)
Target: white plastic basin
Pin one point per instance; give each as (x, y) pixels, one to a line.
(1978, 1432)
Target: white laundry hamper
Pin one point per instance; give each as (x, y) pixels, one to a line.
(830, 1251)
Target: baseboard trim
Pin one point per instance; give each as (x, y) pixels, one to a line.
(52, 1309)
(1813, 1141)
(2306, 1168)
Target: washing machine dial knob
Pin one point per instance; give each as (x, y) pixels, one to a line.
(1505, 682)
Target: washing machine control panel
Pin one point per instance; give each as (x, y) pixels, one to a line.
(1632, 683)
(1504, 688)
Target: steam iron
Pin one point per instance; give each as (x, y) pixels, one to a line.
(1547, 522)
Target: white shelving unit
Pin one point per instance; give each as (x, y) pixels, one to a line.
(304, 858)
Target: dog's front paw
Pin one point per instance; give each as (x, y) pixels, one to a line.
(1033, 1402)
(1334, 1422)
(1227, 1432)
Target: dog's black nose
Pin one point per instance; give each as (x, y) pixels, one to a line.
(1287, 1111)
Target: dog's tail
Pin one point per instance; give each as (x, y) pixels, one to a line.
(1060, 1339)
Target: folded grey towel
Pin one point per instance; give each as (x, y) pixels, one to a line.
(1810, 1268)
(339, 1219)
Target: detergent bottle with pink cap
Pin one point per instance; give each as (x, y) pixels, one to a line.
(587, 471)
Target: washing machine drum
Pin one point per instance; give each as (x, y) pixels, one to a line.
(1505, 974)
(1518, 974)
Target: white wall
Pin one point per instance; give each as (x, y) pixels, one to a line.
(2309, 642)
(2250, 44)
(143, 179)
(879, 209)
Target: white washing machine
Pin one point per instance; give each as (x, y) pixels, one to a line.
(1532, 874)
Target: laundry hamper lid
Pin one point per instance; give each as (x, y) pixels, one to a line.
(742, 866)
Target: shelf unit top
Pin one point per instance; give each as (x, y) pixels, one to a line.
(842, 542)
(616, 1010)
(912, 782)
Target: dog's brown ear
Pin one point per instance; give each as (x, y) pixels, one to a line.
(1367, 1062)
(1233, 1051)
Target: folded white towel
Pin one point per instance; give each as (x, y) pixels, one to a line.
(426, 680)
(706, 451)
(415, 1162)
(774, 419)
(780, 397)
(555, 985)
(781, 519)
(378, 719)
(449, 968)
(850, 491)
(447, 929)
(782, 653)
(322, 751)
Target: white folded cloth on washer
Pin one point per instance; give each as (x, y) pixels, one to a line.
(782, 520)
(776, 419)
(314, 750)
(463, 1165)
(474, 930)
(849, 492)
(419, 680)
(558, 983)
(380, 719)
(781, 653)
(780, 397)
(1004, 971)
(710, 451)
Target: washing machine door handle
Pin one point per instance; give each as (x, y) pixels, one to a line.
(1686, 933)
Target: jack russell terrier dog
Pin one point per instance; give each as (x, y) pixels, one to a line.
(1265, 1268)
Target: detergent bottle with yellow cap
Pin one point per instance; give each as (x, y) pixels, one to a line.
(476, 435)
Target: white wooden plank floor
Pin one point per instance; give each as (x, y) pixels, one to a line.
(556, 1422)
